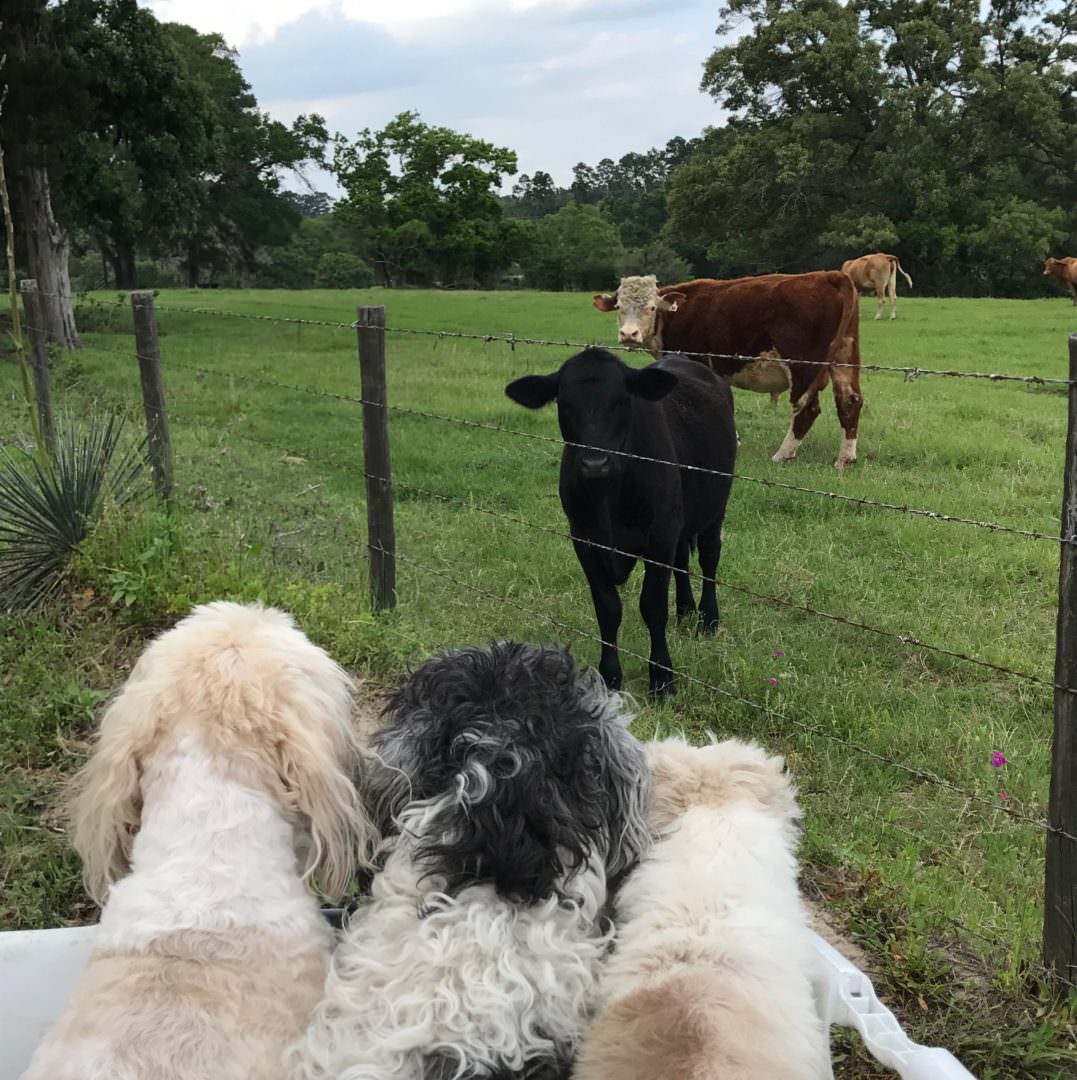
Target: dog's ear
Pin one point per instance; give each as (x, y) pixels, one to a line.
(318, 762)
(765, 777)
(628, 790)
(106, 795)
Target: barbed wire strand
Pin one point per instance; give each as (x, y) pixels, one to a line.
(910, 373)
(904, 638)
(944, 854)
(933, 515)
(919, 774)
(512, 340)
(887, 891)
(931, 777)
(883, 890)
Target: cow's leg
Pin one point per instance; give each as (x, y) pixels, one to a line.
(607, 601)
(804, 396)
(849, 402)
(1073, 289)
(880, 295)
(654, 607)
(686, 602)
(892, 285)
(710, 551)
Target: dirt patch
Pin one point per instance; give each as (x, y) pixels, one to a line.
(825, 925)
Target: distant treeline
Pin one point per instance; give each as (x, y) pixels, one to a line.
(945, 132)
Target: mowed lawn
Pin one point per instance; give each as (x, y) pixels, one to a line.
(943, 891)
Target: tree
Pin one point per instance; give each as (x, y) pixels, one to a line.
(631, 192)
(43, 109)
(241, 206)
(294, 264)
(576, 248)
(309, 203)
(133, 175)
(423, 200)
(343, 270)
(657, 258)
(535, 196)
(909, 124)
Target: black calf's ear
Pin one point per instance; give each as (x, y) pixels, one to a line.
(533, 391)
(651, 383)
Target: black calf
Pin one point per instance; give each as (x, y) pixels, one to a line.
(677, 411)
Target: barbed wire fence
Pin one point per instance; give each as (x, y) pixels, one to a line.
(1059, 827)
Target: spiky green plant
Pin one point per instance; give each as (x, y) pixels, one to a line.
(48, 507)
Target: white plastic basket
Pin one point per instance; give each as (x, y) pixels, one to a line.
(39, 968)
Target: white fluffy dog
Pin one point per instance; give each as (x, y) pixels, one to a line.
(713, 969)
(224, 776)
(517, 791)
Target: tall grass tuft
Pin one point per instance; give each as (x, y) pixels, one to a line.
(48, 507)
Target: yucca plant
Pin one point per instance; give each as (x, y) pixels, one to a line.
(47, 507)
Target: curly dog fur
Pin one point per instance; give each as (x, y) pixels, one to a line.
(223, 777)
(713, 970)
(512, 791)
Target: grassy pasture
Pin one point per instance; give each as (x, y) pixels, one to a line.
(945, 894)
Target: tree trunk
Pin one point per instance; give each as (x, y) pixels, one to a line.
(382, 265)
(104, 269)
(47, 251)
(192, 269)
(124, 265)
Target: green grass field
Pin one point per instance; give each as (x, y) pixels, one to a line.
(943, 892)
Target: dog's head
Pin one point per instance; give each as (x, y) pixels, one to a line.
(717, 775)
(513, 769)
(268, 707)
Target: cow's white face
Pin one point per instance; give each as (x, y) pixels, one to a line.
(638, 307)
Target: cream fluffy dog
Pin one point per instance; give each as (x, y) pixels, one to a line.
(713, 970)
(222, 779)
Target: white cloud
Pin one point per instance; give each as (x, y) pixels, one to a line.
(547, 78)
(255, 21)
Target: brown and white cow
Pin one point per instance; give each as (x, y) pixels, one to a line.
(879, 272)
(775, 332)
(1064, 271)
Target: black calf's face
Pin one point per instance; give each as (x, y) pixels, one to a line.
(594, 392)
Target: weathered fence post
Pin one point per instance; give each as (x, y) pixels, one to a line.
(39, 360)
(1060, 884)
(381, 534)
(159, 442)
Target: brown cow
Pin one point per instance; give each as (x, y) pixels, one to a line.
(1064, 271)
(878, 272)
(810, 321)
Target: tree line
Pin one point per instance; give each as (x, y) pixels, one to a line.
(945, 132)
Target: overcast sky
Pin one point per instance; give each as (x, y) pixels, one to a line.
(558, 81)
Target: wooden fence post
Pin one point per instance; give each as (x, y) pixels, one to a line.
(159, 442)
(381, 534)
(1060, 882)
(39, 361)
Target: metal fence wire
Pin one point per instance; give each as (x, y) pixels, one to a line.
(383, 482)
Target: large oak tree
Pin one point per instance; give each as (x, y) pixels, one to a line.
(945, 131)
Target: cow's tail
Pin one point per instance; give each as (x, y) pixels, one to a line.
(896, 265)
